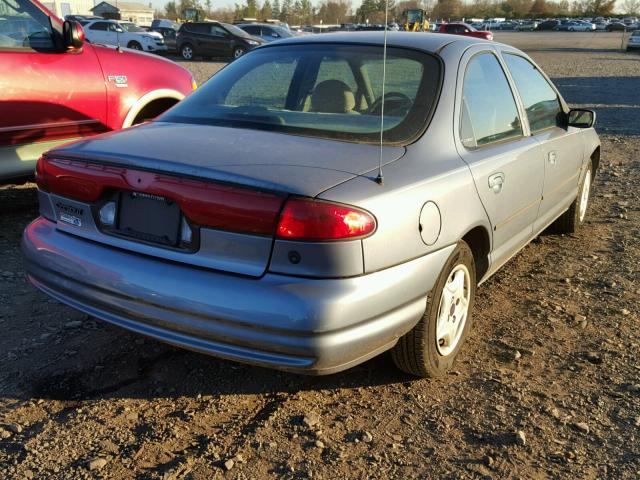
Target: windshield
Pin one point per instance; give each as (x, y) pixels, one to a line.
(283, 32)
(238, 32)
(414, 16)
(131, 27)
(331, 91)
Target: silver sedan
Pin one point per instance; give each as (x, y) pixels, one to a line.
(312, 206)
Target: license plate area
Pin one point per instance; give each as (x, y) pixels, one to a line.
(149, 218)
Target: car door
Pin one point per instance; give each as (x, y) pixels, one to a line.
(505, 162)
(562, 147)
(205, 44)
(97, 32)
(254, 30)
(169, 35)
(116, 35)
(48, 95)
(220, 41)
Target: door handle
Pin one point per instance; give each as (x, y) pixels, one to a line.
(552, 157)
(496, 181)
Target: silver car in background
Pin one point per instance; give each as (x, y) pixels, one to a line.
(263, 220)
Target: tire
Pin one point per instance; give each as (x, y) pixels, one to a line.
(421, 352)
(238, 52)
(187, 52)
(570, 220)
(134, 46)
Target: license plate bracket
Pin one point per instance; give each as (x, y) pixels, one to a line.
(150, 218)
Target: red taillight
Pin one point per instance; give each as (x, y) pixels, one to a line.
(40, 175)
(305, 219)
(226, 207)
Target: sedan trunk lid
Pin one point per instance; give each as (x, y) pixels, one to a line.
(229, 185)
(265, 160)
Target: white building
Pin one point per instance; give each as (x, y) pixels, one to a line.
(137, 13)
(69, 7)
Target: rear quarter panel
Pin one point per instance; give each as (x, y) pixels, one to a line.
(130, 76)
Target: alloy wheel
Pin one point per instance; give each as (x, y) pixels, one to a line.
(453, 310)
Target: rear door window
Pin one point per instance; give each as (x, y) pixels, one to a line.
(489, 113)
(101, 26)
(217, 31)
(252, 30)
(540, 99)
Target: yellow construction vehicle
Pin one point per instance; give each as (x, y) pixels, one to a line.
(415, 20)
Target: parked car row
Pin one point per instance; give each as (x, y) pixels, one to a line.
(570, 25)
(214, 39)
(634, 41)
(123, 34)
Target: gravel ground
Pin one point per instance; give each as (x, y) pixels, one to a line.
(547, 387)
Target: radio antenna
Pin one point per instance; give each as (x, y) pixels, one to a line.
(117, 25)
(380, 178)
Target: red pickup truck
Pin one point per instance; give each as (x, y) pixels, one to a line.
(55, 87)
(459, 28)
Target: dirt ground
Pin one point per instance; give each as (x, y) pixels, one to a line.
(547, 387)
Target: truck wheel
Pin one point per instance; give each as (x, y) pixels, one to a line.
(570, 220)
(430, 349)
(238, 52)
(187, 51)
(134, 46)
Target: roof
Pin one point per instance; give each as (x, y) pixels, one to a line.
(257, 24)
(430, 42)
(124, 6)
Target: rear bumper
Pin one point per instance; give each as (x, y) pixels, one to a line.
(316, 326)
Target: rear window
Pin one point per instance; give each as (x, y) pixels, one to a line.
(329, 91)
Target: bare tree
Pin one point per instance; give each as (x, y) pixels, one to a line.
(631, 7)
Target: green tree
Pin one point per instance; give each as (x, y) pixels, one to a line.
(334, 11)
(286, 11)
(517, 8)
(266, 11)
(275, 11)
(540, 8)
(599, 8)
(171, 10)
(447, 9)
(390, 4)
(367, 11)
(631, 7)
(250, 10)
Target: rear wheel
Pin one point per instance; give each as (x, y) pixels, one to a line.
(430, 349)
(187, 51)
(570, 220)
(238, 52)
(134, 46)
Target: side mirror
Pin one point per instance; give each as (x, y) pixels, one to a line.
(73, 34)
(581, 118)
